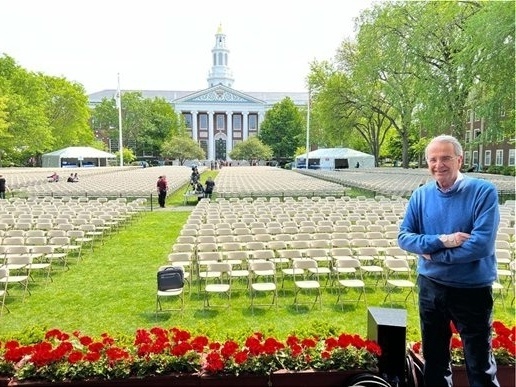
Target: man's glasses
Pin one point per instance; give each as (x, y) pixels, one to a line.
(444, 160)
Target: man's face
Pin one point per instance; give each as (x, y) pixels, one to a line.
(443, 164)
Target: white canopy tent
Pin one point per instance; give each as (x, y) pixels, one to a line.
(76, 156)
(336, 158)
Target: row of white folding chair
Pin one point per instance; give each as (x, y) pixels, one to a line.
(193, 237)
(274, 231)
(57, 240)
(278, 234)
(256, 251)
(382, 246)
(279, 221)
(298, 218)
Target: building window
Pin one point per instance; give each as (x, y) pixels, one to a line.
(468, 136)
(487, 157)
(511, 157)
(220, 120)
(203, 121)
(477, 132)
(237, 122)
(475, 158)
(188, 120)
(253, 122)
(467, 157)
(468, 115)
(499, 157)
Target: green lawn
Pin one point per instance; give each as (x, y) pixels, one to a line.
(112, 289)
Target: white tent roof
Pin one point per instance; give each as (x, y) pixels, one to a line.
(336, 158)
(84, 152)
(335, 153)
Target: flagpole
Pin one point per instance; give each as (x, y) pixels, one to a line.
(119, 105)
(307, 129)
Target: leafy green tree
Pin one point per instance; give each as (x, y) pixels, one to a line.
(383, 65)
(41, 113)
(166, 123)
(435, 37)
(282, 129)
(491, 52)
(68, 113)
(24, 93)
(5, 136)
(252, 150)
(348, 112)
(146, 123)
(128, 154)
(182, 148)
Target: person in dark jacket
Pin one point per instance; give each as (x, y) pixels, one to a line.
(162, 187)
(3, 187)
(210, 184)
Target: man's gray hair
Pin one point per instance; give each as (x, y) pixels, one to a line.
(457, 148)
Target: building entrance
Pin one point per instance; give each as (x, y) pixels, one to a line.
(220, 149)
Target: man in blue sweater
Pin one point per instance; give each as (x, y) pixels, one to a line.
(452, 224)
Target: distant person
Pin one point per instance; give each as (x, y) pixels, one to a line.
(162, 187)
(357, 165)
(70, 178)
(75, 178)
(53, 178)
(195, 176)
(208, 190)
(3, 187)
(199, 191)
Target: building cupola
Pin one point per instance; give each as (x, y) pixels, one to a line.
(220, 73)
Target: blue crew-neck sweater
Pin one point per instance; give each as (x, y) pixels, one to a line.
(471, 206)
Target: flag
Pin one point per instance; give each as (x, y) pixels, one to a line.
(118, 95)
(117, 99)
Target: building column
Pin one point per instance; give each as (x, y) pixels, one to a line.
(194, 125)
(261, 117)
(481, 147)
(245, 118)
(229, 141)
(211, 135)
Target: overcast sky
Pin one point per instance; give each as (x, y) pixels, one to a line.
(166, 44)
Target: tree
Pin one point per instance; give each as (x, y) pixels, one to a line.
(346, 108)
(182, 148)
(491, 50)
(41, 112)
(435, 37)
(146, 123)
(252, 150)
(383, 64)
(68, 113)
(282, 129)
(24, 95)
(128, 154)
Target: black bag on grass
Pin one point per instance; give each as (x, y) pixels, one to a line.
(171, 277)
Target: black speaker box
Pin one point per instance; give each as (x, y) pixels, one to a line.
(388, 327)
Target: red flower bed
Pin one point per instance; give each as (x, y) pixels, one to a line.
(61, 356)
(504, 345)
